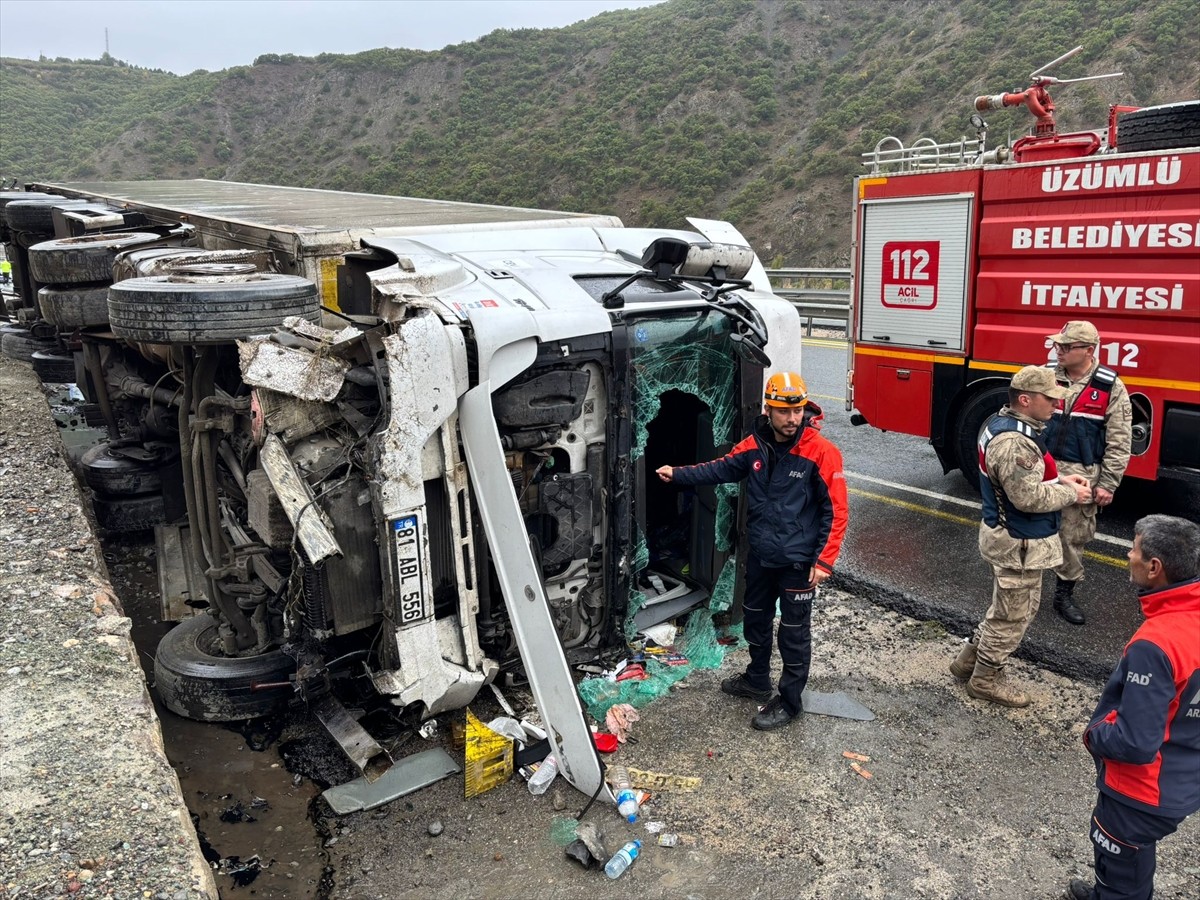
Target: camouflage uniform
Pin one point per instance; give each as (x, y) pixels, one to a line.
(1079, 520)
(1016, 464)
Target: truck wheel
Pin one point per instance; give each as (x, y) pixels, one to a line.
(36, 216)
(74, 306)
(971, 420)
(194, 680)
(84, 259)
(126, 515)
(53, 367)
(178, 309)
(109, 472)
(1160, 127)
(18, 344)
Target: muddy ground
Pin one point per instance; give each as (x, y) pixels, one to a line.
(966, 800)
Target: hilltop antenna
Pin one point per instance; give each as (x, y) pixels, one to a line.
(1035, 97)
(106, 42)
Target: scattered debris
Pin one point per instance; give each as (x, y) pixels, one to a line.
(488, 758)
(620, 719)
(861, 771)
(435, 828)
(849, 754)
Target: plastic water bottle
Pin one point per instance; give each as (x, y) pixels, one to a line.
(622, 859)
(540, 780)
(627, 803)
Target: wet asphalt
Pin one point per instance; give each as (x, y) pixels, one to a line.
(911, 543)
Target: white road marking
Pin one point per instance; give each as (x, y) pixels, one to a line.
(972, 504)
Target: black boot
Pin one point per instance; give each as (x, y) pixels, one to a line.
(1063, 604)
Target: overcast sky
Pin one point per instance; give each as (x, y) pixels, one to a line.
(184, 35)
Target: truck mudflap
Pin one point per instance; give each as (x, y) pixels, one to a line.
(525, 597)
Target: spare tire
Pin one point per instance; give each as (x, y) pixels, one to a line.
(176, 309)
(194, 680)
(74, 306)
(1166, 127)
(79, 260)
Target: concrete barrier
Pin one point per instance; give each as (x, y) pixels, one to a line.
(89, 804)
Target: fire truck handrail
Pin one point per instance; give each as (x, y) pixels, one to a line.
(924, 154)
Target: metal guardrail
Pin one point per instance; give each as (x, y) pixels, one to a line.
(816, 293)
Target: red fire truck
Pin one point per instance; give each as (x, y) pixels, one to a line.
(966, 259)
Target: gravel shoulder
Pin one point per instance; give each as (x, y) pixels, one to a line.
(966, 800)
(89, 805)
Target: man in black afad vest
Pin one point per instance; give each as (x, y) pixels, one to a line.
(1090, 435)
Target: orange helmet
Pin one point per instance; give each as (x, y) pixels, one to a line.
(785, 390)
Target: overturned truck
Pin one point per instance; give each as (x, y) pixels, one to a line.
(390, 445)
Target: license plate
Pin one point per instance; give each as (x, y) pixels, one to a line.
(406, 533)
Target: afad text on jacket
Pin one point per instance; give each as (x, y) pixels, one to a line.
(1145, 732)
(797, 507)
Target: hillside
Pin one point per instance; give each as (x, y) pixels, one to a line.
(752, 111)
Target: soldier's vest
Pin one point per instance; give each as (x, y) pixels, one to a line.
(1077, 435)
(997, 508)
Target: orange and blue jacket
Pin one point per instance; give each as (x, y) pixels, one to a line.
(796, 497)
(1145, 732)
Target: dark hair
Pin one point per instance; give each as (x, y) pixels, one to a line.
(1013, 394)
(1172, 541)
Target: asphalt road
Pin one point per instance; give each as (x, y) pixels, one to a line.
(912, 537)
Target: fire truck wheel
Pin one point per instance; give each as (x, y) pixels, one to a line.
(82, 259)
(1160, 127)
(193, 679)
(53, 366)
(971, 420)
(74, 306)
(197, 309)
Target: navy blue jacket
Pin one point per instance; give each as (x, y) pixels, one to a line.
(796, 502)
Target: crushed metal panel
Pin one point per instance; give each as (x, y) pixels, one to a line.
(297, 373)
(312, 529)
(409, 774)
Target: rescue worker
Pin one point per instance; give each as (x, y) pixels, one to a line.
(796, 520)
(1090, 434)
(1022, 494)
(5, 272)
(1145, 732)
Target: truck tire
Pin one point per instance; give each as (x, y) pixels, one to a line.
(195, 681)
(19, 344)
(111, 474)
(176, 309)
(75, 306)
(126, 515)
(1160, 127)
(971, 420)
(79, 260)
(36, 216)
(53, 366)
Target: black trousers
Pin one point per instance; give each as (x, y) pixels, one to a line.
(791, 588)
(1123, 843)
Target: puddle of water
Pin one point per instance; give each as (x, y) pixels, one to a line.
(250, 812)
